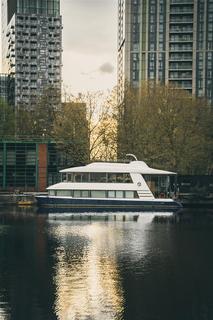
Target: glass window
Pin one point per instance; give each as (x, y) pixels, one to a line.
(85, 193)
(119, 177)
(112, 177)
(77, 177)
(119, 194)
(98, 194)
(52, 192)
(70, 177)
(129, 194)
(30, 157)
(85, 177)
(63, 193)
(111, 194)
(11, 157)
(98, 177)
(77, 193)
(159, 185)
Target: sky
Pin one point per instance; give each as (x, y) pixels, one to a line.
(89, 45)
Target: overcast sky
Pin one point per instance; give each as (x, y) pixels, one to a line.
(89, 44)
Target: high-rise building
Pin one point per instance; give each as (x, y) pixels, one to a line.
(170, 41)
(6, 89)
(32, 47)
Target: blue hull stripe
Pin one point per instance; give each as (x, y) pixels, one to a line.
(49, 202)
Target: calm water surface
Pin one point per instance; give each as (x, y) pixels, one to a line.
(105, 270)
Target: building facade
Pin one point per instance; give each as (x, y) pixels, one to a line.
(170, 41)
(32, 47)
(29, 165)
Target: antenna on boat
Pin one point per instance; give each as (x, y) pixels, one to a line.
(132, 155)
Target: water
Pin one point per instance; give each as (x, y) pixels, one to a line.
(105, 270)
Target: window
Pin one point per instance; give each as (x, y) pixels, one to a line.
(85, 193)
(129, 194)
(111, 194)
(119, 194)
(98, 194)
(77, 193)
(63, 193)
(98, 177)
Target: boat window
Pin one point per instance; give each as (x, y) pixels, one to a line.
(129, 194)
(85, 177)
(85, 193)
(119, 194)
(159, 185)
(52, 192)
(70, 177)
(77, 177)
(98, 177)
(111, 194)
(80, 177)
(127, 178)
(63, 193)
(119, 178)
(98, 194)
(77, 193)
(112, 177)
(63, 177)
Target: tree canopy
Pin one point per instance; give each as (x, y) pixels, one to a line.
(167, 127)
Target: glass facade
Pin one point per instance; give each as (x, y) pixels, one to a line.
(23, 165)
(170, 41)
(40, 7)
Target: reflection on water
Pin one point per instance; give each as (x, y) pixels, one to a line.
(87, 277)
(105, 270)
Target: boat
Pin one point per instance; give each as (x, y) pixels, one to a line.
(25, 203)
(110, 186)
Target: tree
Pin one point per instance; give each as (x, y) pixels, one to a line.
(38, 118)
(167, 127)
(102, 124)
(7, 120)
(70, 131)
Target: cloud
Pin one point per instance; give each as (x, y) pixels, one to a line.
(106, 68)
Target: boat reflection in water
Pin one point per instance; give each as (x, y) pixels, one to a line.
(87, 270)
(87, 284)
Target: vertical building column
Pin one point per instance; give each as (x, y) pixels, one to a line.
(194, 53)
(167, 42)
(42, 167)
(205, 23)
(157, 42)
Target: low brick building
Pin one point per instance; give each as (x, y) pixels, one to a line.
(29, 165)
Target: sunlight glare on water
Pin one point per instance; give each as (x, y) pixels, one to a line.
(87, 286)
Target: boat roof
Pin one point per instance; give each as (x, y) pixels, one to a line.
(132, 167)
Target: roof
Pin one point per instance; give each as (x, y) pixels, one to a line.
(132, 167)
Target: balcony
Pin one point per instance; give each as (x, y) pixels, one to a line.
(180, 57)
(181, 10)
(181, 20)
